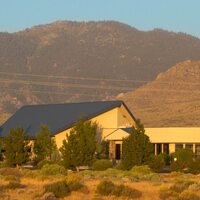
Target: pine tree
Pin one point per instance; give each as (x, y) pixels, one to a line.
(16, 147)
(136, 149)
(44, 144)
(80, 145)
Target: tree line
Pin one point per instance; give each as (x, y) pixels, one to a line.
(81, 147)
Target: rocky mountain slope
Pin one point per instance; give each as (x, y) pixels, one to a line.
(77, 61)
(172, 99)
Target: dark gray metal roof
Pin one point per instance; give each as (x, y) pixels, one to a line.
(57, 117)
(128, 130)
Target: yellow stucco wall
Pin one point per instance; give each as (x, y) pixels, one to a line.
(117, 134)
(174, 135)
(108, 122)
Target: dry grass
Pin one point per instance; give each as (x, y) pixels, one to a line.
(34, 188)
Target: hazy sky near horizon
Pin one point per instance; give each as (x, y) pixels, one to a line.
(172, 15)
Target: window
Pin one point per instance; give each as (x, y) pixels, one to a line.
(189, 146)
(159, 148)
(197, 149)
(166, 148)
(178, 146)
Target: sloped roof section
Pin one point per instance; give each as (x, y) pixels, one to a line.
(57, 117)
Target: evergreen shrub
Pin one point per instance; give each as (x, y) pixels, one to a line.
(102, 164)
(53, 169)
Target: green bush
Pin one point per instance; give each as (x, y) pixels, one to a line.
(140, 173)
(74, 178)
(74, 181)
(101, 165)
(157, 162)
(53, 169)
(177, 166)
(183, 159)
(125, 191)
(188, 195)
(194, 167)
(143, 169)
(43, 162)
(59, 189)
(105, 188)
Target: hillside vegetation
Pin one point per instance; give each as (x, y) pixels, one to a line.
(77, 61)
(172, 99)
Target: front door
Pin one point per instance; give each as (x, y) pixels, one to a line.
(118, 151)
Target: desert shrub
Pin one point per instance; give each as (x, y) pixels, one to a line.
(74, 178)
(181, 185)
(42, 163)
(166, 193)
(105, 188)
(125, 191)
(157, 162)
(101, 165)
(4, 164)
(194, 187)
(177, 166)
(10, 172)
(12, 178)
(75, 182)
(59, 189)
(75, 186)
(143, 169)
(14, 185)
(137, 174)
(194, 167)
(53, 169)
(188, 195)
(140, 173)
(31, 173)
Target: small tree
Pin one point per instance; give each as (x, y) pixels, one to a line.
(16, 147)
(181, 159)
(102, 151)
(44, 144)
(80, 145)
(136, 149)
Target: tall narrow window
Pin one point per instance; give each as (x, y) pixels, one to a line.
(189, 146)
(197, 150)
(178, 146)
(166, 148)
(159, 148)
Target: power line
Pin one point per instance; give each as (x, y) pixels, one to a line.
(73, 77)
(97, 79)
(71, 85)
(55, 93)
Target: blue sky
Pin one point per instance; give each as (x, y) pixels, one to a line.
(172, 15)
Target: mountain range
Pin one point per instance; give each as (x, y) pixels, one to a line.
(69, 61)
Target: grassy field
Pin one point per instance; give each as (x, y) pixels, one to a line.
(27, 185)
